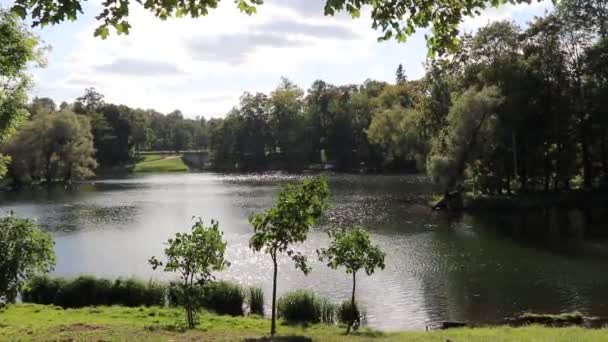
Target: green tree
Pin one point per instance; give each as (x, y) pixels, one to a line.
(288, 126)
(18, 48)
(470, 120)
(286, 223)
(396, 124)
(90, 102)
(253, 136)
(354, 251)
(25, 252)
(42, 105)
(194, 256)
(398, 19)
(400, 77)
(52, 147)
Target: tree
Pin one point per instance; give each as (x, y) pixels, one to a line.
(253, 136)
(288, 126)
(470, 120)
(354, 251)
(396, 124)
(25, 251)
(42, 105)
(52, 147)
(194, 256)
(400, 77)
(398, 19)
(19, 47)
(288, 222)
(90, 102)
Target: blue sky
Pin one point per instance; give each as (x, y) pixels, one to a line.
(201, 66)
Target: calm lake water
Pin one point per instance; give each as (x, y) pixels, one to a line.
(438, 267)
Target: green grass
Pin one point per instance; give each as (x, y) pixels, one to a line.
(161, 163)
(27, 322)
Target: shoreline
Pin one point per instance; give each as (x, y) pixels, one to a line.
(116, 323)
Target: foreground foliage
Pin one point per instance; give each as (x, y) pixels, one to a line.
(354, 251)
(399, 19)
(37, 322)
(194, 256)
(25, 251)
(91, 291)
(302, 306)
(19, 47)
(287, 223)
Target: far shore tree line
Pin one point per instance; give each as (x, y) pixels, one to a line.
(513, 110)
(195, 256)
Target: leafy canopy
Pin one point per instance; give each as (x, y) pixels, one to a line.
(196, 254)
(354, 251)
(18, 47)
(52, 147)
(395, 19)
(288, 222)
(25, 251)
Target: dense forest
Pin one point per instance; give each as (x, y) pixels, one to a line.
(513, 110)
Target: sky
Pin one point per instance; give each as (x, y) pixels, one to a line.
(201, 66)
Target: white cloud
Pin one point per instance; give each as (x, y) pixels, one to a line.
(188, 61)
(203, 65)
(510, 12)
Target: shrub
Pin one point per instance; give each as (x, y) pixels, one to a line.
(91, 291)
(85, 291)
(256, 301)
(43, 290)
(350, 314)
(225, 298)
(133, 292)
(300, 306)
(327, 311)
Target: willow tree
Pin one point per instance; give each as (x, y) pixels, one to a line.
(52, 147)
(287, 223)
(470, 120)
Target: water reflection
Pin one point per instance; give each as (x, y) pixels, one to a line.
(439, 267)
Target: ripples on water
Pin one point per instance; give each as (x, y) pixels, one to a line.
(437, 267)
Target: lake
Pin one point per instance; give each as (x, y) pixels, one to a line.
(439, 267)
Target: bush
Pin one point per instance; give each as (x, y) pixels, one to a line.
(90, 291)
(256, 301)
(133, 292)
(225, 298)
(349, 314)
(301, 306)
(327, 311)
(43, 290)
(85, 291)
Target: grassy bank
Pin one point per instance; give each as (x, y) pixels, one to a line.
(37, 322)
(160, 163)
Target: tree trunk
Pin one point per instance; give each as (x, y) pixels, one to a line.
(273, 327)
(587, 164)
(604, 152)
(514, 141)
(352, 305)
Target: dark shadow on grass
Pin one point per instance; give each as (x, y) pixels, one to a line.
(368, 333)
(279, 339)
